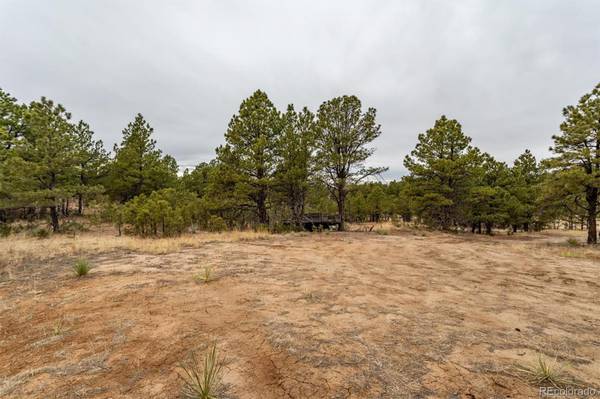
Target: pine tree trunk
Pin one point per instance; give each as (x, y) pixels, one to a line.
(54, 218)
(80, 204)
(526, 226)
(591, 196)
(261, 205)
(488, 229)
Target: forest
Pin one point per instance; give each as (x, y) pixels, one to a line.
(276, 166)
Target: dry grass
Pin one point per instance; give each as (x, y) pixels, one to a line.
(583, 252)
(21, 248)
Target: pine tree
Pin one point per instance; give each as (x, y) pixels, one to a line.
(524, 190)
(441, 166)
(43, 163)
(197, 180)
(577, 151)
(92, 160)
(12, 128)
(488, 195)
(343, 134)
(139, 167)
(248, 157)
(295, 164)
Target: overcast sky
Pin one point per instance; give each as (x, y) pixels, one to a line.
(504, 69)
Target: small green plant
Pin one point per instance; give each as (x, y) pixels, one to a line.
(5, 229)
(571, 254)
(59, 327)
(204, 277)
(72, 227)
(543, 372)
(41, 233)
(572, 242)
(202, 380)
(382, 232)
(81, 268)
(216, 224)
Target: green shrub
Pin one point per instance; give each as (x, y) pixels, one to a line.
(5, 229)
(166, 212)
(81, 268)
(59, 327)
(572, 242)
(40, 233)
(72, 227)
(205, 277)
(202, 380)
(216, 224)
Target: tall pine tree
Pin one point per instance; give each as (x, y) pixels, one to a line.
(343, 135)
(92, 160)
(577, 151)
(442, 166)
(295, 164)
(138, 166)
(43, 163)
(249, 157)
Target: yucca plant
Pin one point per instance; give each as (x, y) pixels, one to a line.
(59, 327)
(544, 372)
(202, 380)
(204, 277)
(81, 268)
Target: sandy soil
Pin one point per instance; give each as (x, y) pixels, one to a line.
(339, 315)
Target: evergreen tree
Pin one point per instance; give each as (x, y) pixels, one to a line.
(488, 194)
(197, 180)
(524, 189)
(577, 151)
(295, 160)
(43, 163)
(343, 134)
(92, 160)
(12, 128)
(442, 166)
(139, 167)
(248, 157)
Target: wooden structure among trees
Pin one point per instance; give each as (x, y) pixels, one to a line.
(316, 221)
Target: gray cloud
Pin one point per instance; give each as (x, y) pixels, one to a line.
(504, 69)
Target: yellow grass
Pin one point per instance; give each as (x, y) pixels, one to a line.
(15, 250)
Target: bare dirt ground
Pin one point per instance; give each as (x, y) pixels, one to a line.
(409, 314)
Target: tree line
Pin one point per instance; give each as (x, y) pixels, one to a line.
(275, 167)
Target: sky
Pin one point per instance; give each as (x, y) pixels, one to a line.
(503, 69)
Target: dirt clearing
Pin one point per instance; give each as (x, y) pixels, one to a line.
(339, 315)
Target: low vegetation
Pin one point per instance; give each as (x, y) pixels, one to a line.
(573, 242)
(59, 327)
(202, 377)
(18, 249)
(81, 268)
(206, 276)
(545, 372)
